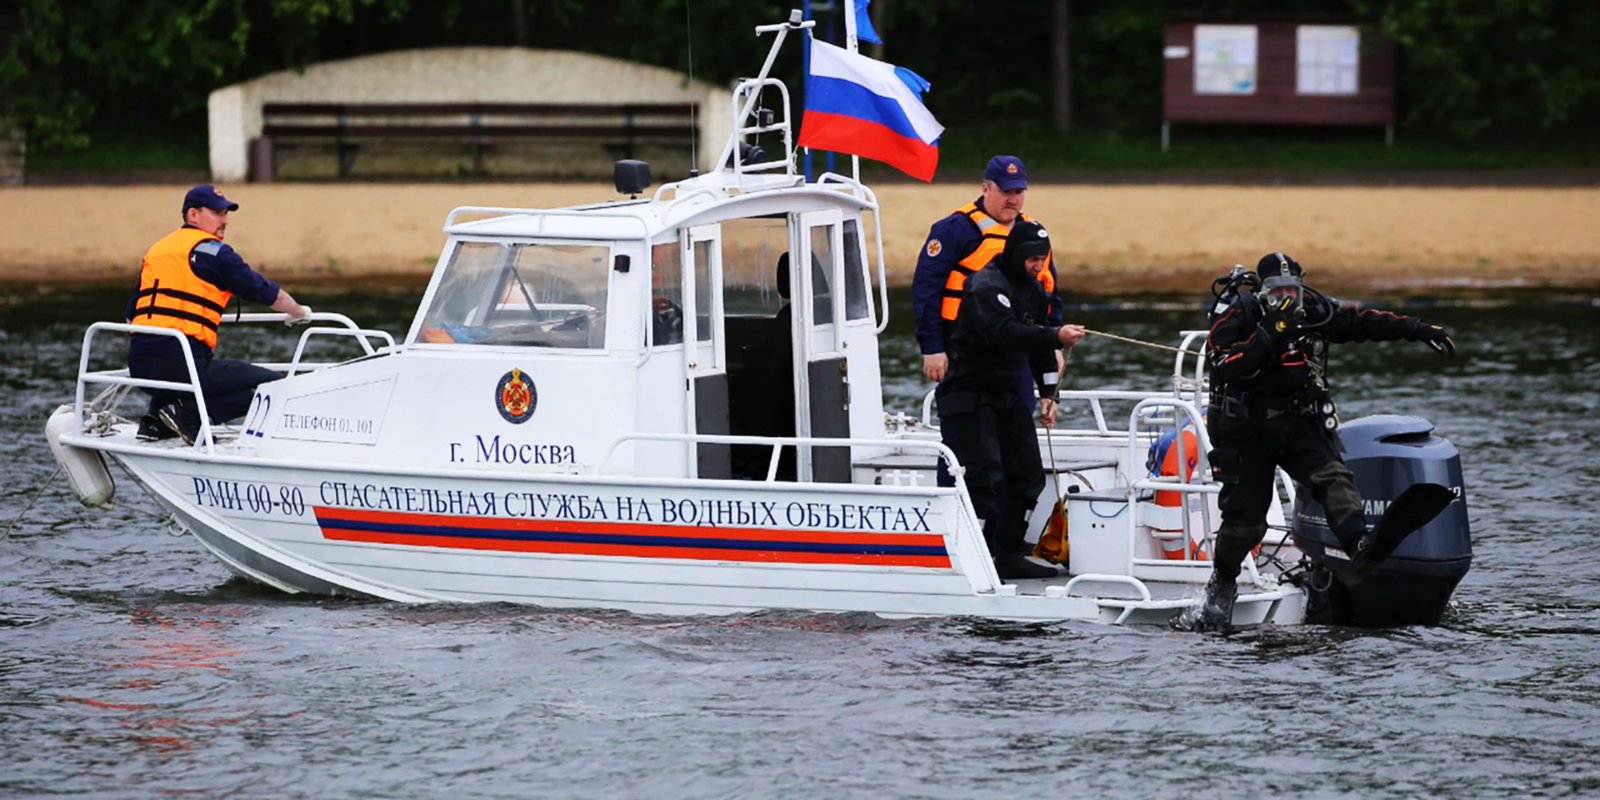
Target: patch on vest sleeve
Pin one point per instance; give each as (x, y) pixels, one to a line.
(208, 247)
(1005, 301)
(934, 248)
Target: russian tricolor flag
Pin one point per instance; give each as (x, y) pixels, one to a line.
(869, 108)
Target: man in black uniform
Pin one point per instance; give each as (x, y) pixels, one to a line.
(1270, 406)
(1002, 326)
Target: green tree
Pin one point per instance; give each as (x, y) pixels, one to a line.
(1470, 66)
(67, 63)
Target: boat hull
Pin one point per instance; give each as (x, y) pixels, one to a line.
(648, 546)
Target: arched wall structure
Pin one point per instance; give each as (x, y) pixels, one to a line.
(460, 75)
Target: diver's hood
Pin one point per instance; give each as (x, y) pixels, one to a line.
(1028, 239)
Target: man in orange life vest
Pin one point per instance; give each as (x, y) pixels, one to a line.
(958, 246)
(185, 283)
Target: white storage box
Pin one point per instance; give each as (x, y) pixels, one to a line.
(1098, 527)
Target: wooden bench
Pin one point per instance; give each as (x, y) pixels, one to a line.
(618, 127)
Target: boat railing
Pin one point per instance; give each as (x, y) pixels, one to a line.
(744, 110)
(1176, 414)
(122, 378)
(1095, 398)
(347, 329)
(1180, 415)
(206, 437)
(360, 335)
(542, 216)
(1192, 345)
(831, 180)
(777, 443)
(752, 88)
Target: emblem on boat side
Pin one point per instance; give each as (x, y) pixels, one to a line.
(516, 397)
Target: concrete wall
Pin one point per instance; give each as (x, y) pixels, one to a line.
(460, 75)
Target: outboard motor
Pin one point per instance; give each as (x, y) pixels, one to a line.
(1388, 453)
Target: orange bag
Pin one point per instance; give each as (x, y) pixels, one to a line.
(1053, 545)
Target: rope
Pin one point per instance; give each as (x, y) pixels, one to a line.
(36, 495)
(1156, 345)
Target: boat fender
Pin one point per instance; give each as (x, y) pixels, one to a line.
(86, 469)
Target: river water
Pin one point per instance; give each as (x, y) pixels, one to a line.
(132, 666)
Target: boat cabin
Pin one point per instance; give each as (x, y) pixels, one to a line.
(682, 314)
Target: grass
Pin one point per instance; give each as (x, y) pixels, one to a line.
(114, 152)
(965, 149)
(1195, 147)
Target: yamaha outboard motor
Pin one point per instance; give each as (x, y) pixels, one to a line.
(1388, 453)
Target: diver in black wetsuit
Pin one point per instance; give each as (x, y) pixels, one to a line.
(1270, 406)
(1004, 327)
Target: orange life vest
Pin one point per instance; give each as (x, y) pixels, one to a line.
(993, 241)
(172, 296)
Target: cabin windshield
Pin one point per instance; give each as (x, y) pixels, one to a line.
(520, 294)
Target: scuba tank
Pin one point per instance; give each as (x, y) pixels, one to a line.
(1227, 289)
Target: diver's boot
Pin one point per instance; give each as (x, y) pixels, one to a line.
(1216, 613)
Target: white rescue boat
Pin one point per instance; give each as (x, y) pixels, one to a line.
(584, 414)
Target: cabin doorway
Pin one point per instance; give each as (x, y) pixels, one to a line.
(777, 317)
(822, 387)
(758, 318)
(705, 361)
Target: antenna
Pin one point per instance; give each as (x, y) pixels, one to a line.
(694, 129)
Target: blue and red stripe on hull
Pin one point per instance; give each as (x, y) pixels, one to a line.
(638, 540)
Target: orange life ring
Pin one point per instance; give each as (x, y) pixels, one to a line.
(1173, 548)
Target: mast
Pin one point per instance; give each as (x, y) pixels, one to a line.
(854, 46)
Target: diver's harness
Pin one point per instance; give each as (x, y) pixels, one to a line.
(1313, 399)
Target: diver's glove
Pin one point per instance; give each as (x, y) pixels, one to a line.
(1437, 337)
(1278, 317)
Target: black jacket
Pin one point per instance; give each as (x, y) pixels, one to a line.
(1002, 326)
(1245, 356)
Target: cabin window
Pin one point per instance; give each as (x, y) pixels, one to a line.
(751, 250)
(517, 294)
(821, 274)
(856, 305)
(666, 294)
(702, 289)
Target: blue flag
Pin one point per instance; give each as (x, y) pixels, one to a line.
(864, 30)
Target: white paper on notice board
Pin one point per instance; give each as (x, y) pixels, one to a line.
(1225, 59)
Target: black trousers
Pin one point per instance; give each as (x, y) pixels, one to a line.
(1246, 453)
(995, 439)
(227, 384)
(1029, 394)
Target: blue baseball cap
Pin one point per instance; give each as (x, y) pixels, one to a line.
(1007, 172)
(206, 196)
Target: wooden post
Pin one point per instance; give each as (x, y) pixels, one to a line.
(13, 158)
(1061, 65)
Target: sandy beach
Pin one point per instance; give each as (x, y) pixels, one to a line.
(1110, 239)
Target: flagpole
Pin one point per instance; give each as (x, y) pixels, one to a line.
(851, 44)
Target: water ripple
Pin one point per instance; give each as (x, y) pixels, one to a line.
(132, 665)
